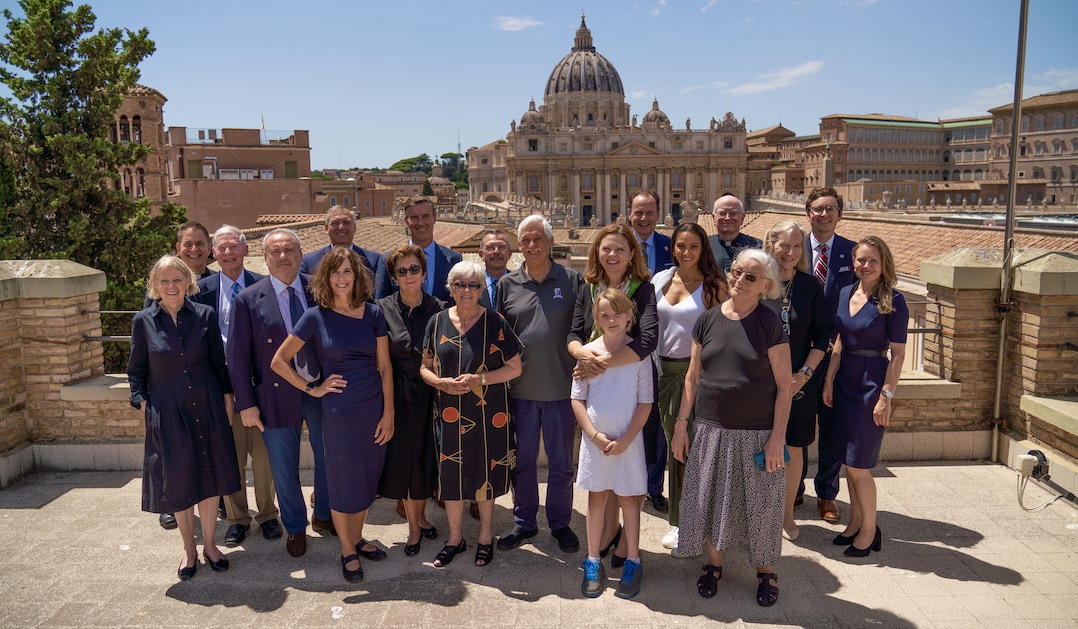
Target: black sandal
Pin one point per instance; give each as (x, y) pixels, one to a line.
(484, 554)
(446, 555)
(612, 545)
(708, 583)
(767, 593)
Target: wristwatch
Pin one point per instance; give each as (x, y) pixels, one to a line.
(310, 385)
(807, 371)
(482, 380)
(887, 394)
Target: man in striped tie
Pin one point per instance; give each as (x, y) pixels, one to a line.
(832, 266)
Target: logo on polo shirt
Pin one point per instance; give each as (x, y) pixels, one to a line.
(557, 293)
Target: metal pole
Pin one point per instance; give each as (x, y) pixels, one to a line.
(1005, 305)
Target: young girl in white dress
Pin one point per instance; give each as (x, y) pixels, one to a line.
(611, 409)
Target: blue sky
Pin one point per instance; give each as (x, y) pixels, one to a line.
(379, 81)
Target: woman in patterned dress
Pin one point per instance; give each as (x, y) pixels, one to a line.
(470, 355)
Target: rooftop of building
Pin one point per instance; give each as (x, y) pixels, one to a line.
(1050, 99)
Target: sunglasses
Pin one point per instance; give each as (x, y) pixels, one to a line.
(736, 274)
(471, 285)
(415, 269)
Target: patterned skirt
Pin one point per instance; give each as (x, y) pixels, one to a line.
(726, 502)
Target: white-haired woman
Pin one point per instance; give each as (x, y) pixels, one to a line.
(739, 383)
(470, 355)
(177, 375)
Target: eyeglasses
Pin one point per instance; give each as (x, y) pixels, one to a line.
(824, 209)
(415, 269)
(471, 285)
(733, 214)
(736, 274)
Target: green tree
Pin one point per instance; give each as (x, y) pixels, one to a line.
(66, 81)
(427, 190)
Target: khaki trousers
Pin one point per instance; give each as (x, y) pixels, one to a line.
(249, 443)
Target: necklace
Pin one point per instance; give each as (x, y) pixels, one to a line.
(787, 291)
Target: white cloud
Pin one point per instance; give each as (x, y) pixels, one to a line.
(512, 24)
(707, 6)
(638, 94)
(659, 7)
(717, 85)
(1059, 78)
(981, 100)
(777, 79)
(747, 20)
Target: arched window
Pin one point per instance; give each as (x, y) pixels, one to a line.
(533, 183)
(979, 155)
(978, 174)
(125, 129)
(634, 181)
(136, 129)
(999, 126)
(1038, 173)
(1058, 122)
(140, 191)
(967, 155)
(946, 156)
(967, 175)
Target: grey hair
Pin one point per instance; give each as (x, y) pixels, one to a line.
(715, 205)
(771, 270)
(229, 229)
(785, 227)
(282, 230)
(536, 218)
(336, 209)
(466, 269)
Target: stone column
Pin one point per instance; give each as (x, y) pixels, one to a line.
(602, 207)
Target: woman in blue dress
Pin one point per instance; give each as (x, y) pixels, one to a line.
(861, 381)
(349, 338)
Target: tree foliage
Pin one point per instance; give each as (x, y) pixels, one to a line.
(419, 163)
(58, 165)
(428, 191)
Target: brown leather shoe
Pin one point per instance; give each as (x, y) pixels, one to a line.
(296, 544)
(799, 500)
(474, 508)
(828, 510)
(400, 509)
(323, 526)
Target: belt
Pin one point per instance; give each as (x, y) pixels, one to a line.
(866, 353)
(674, 360)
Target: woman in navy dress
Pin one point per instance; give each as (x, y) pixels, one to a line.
(861, 380)
(349, 338)
(177, 375)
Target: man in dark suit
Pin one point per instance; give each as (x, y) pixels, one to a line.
(832, 266)
(729, 214)
(262, 317)
(420, 217)
(494, 252)
(218, 291)
(341, 228)
(655, 247)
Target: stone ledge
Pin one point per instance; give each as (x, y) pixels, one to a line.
(1061, 412)
(111, 387)
(48, 279)
(920, 385)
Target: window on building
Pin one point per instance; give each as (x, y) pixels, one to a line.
(591, 117)
(587, 146)
(727, 143)
(367, 204)
(1058, 122)
(332, 200)
(533, 145)
(1038, 123)
(651, 145)
(614, 181)
(1057, 146)
(1074, 173)
(1038, 173)
(563, 147)
(1025, 125)
(291, 170)
(676, 179)
(194, 169)
(633, 181)
(727, 179)
(484, 161)
(613, 145)
(999, 126)
(586, 181)
(946, 156)
(651, 181)
(347, 201)
(1057, 173)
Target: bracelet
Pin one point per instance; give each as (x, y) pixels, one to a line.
(482, 380)
(681, 419)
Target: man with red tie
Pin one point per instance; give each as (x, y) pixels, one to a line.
(832, 266)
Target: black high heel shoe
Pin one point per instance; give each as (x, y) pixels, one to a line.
(877, 545)
(612, 545)
(216, 566)
(844, 540)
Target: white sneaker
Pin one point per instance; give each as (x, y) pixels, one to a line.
(670, 539)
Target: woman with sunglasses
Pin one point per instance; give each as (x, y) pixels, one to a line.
(739, 385)
(411, 471)
(803, 311)
(469, 355)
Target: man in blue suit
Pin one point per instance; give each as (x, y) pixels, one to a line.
(420, 217)
(832, 266)
(494, 251)
(262, 317)
(655, 247)
(218, 292)
(341, 228)
(729, 214)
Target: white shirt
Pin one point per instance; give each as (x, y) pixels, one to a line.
(283, 303)
(816, 249)
(224, 302)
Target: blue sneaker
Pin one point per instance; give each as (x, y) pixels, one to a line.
(631, 575)
(594, 576)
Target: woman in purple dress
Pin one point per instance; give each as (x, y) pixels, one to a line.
(349, 337)
(861, 381)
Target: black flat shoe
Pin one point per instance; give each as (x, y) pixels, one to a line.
(767, 593)
(351, 575)
(844, 540)
(616, 561)
(413, 549)
(187, 573)
(216, 566)
(484, 554)
(515, 537)
(612, 545)
(446, 555)
(431, 533)
(374, 555)
(708, 583)
(877, 545)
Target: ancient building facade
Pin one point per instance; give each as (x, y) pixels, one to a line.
(140, 119)
(1048, 143)
(583, 147)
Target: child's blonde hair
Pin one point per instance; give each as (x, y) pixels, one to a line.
(619, 301)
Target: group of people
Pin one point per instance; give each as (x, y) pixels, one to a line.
(422, 376)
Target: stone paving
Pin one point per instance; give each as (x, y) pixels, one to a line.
(957, 552)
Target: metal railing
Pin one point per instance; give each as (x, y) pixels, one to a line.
(109, 338)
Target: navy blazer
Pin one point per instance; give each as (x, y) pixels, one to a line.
(663, 260)
(209, 288)
(371, 259)
(839, 273)
(444, 259)
(743, 241)
(255, 330)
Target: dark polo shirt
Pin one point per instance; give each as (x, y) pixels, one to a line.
(541, 314)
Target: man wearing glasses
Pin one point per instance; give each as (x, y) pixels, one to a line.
(341, 229)
(832, 266)
(494, 252)
(420, 217)
(729, 214)
(537, 300)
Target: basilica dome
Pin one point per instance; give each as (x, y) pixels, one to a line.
(531, 118)
(583, 69)
(656, 115)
